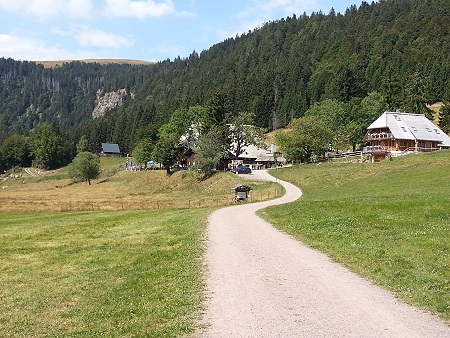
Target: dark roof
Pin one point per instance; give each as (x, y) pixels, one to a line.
(110, 148)
(241, 187)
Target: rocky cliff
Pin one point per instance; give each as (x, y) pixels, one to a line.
(104, 102)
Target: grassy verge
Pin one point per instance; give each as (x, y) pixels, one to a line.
(90, 274)
(389, 222)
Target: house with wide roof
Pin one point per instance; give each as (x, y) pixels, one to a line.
(110, 149)
(256, 157)
(397, 133)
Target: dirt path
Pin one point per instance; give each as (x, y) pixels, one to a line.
(263, 283)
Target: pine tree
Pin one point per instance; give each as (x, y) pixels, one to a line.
(444, 117)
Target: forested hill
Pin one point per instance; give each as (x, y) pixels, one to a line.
(66, 94)
(397, 48)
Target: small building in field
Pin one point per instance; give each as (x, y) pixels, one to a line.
(110, 149)
(395, 133)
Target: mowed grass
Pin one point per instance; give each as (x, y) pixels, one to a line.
(389, 222)
(110, 274)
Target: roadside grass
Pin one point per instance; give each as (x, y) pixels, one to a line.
(388, 222)
(117, 189)
(91, 274)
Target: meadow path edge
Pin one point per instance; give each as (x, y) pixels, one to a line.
(263, 283)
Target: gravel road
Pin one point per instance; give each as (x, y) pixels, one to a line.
(263, 283)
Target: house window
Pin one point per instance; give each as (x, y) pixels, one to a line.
(437, 131)
(397, 118)
(404, 129)
(402, 144)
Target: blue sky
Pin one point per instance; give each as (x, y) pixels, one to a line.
(151, 30)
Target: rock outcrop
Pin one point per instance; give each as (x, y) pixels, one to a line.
(107, 101)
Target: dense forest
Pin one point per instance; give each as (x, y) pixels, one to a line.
(395, 50)
(31, 94)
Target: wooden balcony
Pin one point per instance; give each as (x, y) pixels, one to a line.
(379, 136)
(375, 150)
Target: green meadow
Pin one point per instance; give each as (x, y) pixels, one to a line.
(109, 274)
(70, 272)
(139, 273)
(388, 222)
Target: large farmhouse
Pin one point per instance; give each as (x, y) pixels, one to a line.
(396, 133)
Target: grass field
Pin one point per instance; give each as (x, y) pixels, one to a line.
(92, 274)
(389, 222)
(123, 273)
(118, 189)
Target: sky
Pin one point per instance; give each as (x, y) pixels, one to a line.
(150, 30)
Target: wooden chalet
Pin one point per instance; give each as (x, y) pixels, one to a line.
(395, 133)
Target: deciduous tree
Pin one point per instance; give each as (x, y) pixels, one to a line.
(304, 138)
(15, 151)
(243, 133)
(85, 167)
(143, 151)
(46, 147)
(210, 148)
(165, 152)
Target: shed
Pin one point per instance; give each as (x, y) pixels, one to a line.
(241, 192)
(110, 149)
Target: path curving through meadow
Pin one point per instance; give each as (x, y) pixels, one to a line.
(263, 283)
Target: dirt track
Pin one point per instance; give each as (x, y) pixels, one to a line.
(263, 283)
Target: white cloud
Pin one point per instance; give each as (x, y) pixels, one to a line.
(46, 9)
(285, 6)
(92, 37)
(266, 10)
(139, 9)
(32, 49)
(259, 12)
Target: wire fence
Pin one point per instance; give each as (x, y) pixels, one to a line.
(20, 205)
